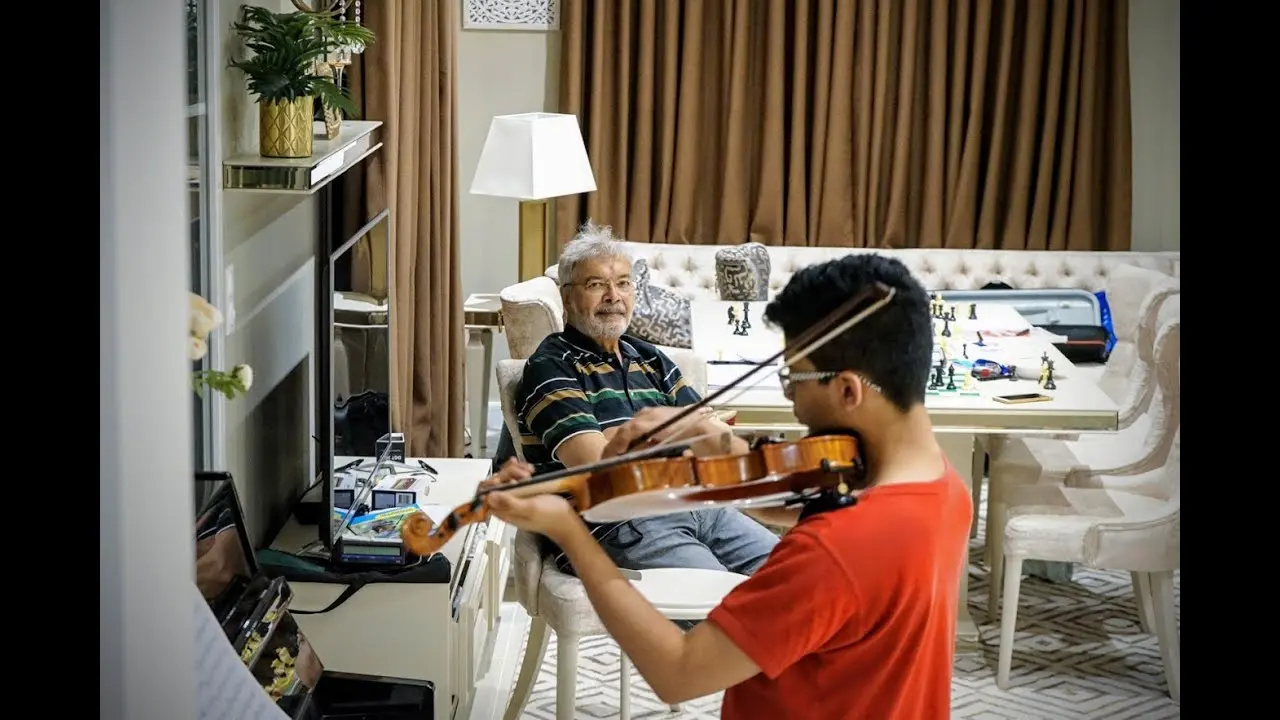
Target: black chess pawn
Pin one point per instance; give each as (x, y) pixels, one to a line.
(946, 327)
(964, 349)
(973, 311)
(951, 314)
(980, 342)
(951, 378)
(1049, 384)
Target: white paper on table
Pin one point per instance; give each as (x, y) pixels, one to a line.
(436, 513)
(225, 689)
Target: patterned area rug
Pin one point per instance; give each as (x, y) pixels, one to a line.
(1079, 653)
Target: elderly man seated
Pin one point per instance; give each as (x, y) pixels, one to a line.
(582, 383)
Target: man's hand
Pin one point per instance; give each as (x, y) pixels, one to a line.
(549, 515)
(696, 425)
(513, 471)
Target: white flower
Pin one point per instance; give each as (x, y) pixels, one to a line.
(197, 348)
(204, 317)
(244, 374)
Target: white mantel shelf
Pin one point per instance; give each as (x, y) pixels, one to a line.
(357, 140)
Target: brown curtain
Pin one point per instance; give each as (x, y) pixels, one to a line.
(407, 80)
(861, 123)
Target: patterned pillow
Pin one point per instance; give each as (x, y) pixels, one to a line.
(661, 316)
(742, 272)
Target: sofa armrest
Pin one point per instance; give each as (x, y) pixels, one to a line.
(692, 366)
(531, 310)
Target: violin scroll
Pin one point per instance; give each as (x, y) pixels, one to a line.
(422, 537)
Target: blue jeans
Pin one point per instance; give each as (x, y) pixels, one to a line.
(712, 539)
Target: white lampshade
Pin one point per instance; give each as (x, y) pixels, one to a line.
(533, 156)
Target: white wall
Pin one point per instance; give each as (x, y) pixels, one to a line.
(268, 243)
(146, 571)
(499, 73)
(1155, 70)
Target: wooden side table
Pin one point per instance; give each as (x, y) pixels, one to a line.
(482, 317)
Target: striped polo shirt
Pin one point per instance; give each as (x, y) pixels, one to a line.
(572, 385)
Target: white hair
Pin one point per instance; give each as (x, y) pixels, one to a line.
(593, 242)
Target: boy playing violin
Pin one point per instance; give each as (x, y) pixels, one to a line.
(853, 615)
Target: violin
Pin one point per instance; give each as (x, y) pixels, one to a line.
(661, 478)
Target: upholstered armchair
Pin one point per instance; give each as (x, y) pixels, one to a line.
(1142, 447)
(555, 600)
(1128, 522)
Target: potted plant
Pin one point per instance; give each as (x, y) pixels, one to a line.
(281, 73)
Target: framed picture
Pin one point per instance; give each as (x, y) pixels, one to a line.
(540, 15)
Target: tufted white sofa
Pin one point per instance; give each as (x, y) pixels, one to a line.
(532, 309)
(691, 269)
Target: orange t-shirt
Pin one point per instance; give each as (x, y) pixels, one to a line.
(854, 613)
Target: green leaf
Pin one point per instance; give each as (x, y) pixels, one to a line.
(334, 97)
(286, 47)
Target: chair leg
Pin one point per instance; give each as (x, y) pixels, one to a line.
(1009, 621)
(534, 650)
(1165, 619)
(624, 686)
(978, 471)
(1142, 596)
(997, 518)
(995, 584)
(566, 675)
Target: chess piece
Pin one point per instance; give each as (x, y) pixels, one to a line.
(973, 311)
(968, 383)
(733, 316)
(1049, 384)
(964, 348)
(946, 327)
(951, 314)
(980, 342)
(1044, 358)
(1044, 376)
(1013, 372)
(746, 318)
(951, 378)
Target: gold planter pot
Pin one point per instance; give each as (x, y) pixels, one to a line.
(284, 127)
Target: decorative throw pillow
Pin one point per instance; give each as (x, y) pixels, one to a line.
(661, 316)
(742, 272)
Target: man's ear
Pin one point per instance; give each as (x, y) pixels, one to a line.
(851, 389)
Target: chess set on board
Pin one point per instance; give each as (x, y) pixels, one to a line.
(949, 330)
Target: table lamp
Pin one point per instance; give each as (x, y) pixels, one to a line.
(533, 157)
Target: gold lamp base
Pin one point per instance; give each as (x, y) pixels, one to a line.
(534, 218)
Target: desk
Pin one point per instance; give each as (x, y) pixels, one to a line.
(425, 637)
(482, 317)
(1078, 404)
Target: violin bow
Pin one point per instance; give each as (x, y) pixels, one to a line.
(809, 341)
